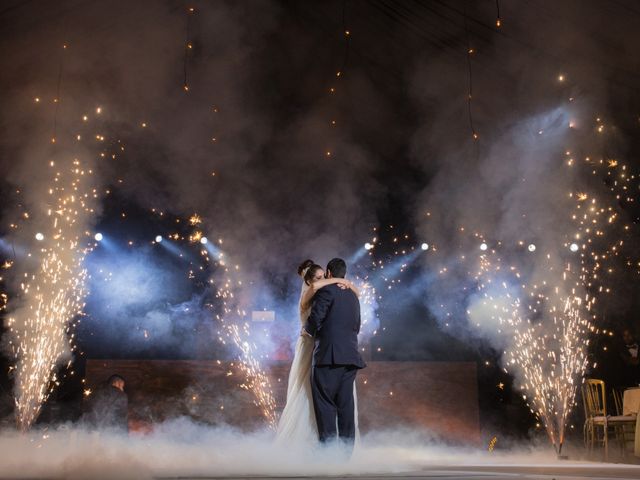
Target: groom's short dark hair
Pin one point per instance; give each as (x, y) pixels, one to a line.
(337, 267)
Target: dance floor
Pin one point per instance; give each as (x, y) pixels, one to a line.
(438, 396)
(567, 471)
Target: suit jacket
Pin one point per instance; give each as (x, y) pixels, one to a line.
(335, 323)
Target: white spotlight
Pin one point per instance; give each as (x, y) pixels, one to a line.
(39, 236)
(424, 246)
(483, 246)
(531, 247)
(574, 247)
(368, 246)
(158, 238)
(204, 240)
(98, 236)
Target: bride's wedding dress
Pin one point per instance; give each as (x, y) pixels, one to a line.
(298, 422)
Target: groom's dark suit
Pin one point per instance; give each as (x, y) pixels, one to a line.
(335, 323)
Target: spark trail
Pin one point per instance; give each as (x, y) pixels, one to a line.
(52, 297)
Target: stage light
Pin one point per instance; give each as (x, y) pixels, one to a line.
(574, 247)
(39, 236)
(204, 240)
(368, 246)
(424, 246)
(531, 247)
(98, 236)
(158, 238)
(483, 246)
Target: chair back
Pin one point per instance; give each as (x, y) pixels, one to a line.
(617, 400)
(596, 397)
(583, 391)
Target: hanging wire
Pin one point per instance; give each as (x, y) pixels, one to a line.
(57, 99)
(187, 47)
(347, 37)
(470, 52)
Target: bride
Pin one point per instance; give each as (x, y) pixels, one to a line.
(298, 423)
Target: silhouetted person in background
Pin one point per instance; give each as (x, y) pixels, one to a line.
(629, 354)
(108, 406)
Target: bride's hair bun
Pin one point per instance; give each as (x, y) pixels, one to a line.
(304, 266)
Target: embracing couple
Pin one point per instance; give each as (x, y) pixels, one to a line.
(321, 393)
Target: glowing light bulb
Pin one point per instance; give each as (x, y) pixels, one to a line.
(574, 247)
(158, 238)
(531, 247)
(424, 246)
(368, 246)
(204, 240)
(483, 246)
(39, 236)
(98, 236)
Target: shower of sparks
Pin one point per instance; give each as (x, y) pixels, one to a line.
(549, 326)
(381, 276)
(551, 318)
(367, 301)
(543, 301)
(236, 330)
(53, 297)
(257, 380)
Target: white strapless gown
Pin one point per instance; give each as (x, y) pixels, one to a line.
(297, 423)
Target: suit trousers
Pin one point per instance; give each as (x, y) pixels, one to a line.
(332, 391)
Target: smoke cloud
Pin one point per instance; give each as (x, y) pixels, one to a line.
(181, 448)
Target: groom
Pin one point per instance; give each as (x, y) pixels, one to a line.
(335, 323)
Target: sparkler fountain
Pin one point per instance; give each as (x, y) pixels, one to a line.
(52, 296)
(234, 328)
(548, 314)
(549, 332)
